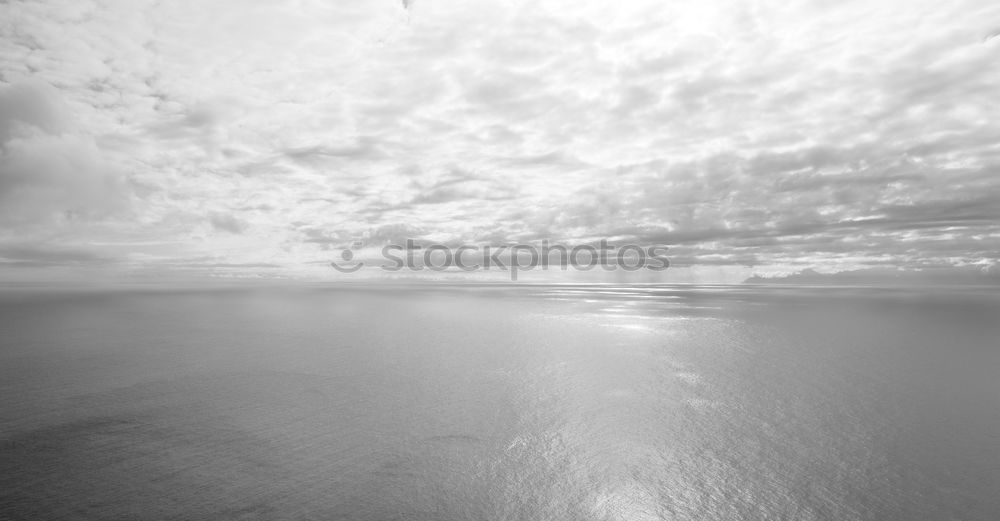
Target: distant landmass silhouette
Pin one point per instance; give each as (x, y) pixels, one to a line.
(886, 276)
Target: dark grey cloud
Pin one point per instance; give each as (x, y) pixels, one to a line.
(364, 148)
(227, 223)
(30, 255)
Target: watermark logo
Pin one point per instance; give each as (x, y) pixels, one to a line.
(347, 256)
(512, 258)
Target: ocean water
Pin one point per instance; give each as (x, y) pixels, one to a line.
(501, 403)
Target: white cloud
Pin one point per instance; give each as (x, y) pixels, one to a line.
(794, 134)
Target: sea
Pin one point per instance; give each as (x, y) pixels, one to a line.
(500, 402)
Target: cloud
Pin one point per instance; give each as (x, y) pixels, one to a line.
(48, 169)
(227, 223)
(28, 255)
(818, 135)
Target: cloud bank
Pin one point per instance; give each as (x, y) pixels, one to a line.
(752, 136)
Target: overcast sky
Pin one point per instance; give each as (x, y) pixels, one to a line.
(262, 137)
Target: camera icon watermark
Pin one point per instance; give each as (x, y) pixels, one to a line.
(347, 256)
(511, 258)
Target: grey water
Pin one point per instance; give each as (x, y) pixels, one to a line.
(501, 403)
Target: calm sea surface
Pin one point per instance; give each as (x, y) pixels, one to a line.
(501, 403)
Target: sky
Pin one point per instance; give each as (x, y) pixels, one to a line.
(258, 139)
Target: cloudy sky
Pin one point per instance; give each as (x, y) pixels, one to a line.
(249, 137)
